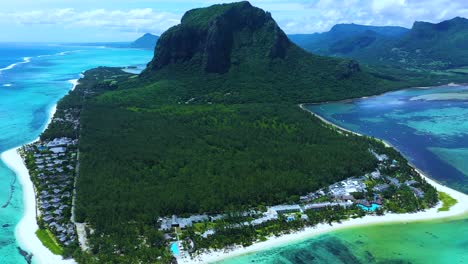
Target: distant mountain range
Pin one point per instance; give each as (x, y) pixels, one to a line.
(320, 43)
(425, 45)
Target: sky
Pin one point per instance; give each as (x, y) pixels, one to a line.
(126, 20)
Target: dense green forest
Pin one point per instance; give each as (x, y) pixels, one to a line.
(141, 161)
(213, 126)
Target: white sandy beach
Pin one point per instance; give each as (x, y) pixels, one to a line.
(459, 209)
(25, 231)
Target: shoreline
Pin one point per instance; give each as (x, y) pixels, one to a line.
(25, 230)
(451, 84)
(457, 210)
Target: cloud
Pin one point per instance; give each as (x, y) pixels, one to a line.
(134, 20)
(155, 16)
(321, 15)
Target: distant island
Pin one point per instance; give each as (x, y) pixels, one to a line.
(210, 149)
(147, 41)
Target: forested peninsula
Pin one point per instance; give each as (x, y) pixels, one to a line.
(209, 142)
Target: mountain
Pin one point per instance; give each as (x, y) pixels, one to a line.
(425, 46)
(320, 43)
(441, 45)
(147, 41)
(239, 50)
(211, 126)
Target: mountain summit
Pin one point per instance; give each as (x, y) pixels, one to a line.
(209, 37)
(240, 50)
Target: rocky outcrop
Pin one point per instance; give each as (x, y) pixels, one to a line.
(209, 36)
(346, 69)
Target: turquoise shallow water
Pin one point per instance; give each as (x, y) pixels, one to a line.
(430, 127)
(29, 87)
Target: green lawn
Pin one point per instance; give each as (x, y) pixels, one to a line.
(49, 241)
(447, 201)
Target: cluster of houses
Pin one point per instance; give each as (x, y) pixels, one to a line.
(339, 194)
(70, 117)
(52, 168)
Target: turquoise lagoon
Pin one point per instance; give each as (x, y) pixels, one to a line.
(430, 127)
(32, 79)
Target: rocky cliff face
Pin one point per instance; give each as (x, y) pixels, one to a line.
(209, 36)
(346, 69)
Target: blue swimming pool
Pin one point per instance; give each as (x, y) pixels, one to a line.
(175, 249)
(372, 208)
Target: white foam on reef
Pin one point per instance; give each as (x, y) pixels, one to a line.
(7, 85)
(11, 66)
(63, 53)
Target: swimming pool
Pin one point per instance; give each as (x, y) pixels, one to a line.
(175, 249)
(372, 208)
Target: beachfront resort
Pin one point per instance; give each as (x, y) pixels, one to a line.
(52, 164)
(392, 187)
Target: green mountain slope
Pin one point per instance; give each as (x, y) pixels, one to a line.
(147, 41)
(242, 52)
(442, 45)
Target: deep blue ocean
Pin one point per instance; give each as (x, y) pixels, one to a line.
(33, 77)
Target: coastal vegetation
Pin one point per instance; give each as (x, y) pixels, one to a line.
(48, 239)
(447, 201)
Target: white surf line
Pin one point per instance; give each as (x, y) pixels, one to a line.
(25, 230)
(11, 66)
(74, 82)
